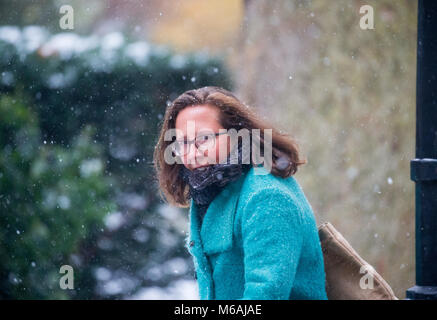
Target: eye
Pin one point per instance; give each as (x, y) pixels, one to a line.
(203, 139)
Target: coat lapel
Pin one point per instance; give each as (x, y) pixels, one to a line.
(201, 265)
(217, 227)
(214, 235)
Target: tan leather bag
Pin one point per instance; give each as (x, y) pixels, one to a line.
(348, 276)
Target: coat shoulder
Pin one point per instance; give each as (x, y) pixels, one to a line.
(287, 191)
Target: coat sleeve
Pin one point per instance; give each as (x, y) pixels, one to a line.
(272, 238)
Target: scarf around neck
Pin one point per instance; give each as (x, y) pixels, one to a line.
(205, 183)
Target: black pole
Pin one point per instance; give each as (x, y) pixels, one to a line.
(424, 166)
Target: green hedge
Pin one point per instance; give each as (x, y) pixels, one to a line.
(78, 122)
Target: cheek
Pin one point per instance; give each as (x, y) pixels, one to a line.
(212, 154)
(221, 150)
(217, 153)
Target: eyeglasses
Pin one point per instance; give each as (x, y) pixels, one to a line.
(202, 142)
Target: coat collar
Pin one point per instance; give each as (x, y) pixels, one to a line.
(216, 230)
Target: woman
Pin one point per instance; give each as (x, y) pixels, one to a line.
(252, 231)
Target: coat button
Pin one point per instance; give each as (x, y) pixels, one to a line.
(192, 243)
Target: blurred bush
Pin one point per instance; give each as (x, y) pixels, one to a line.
(78, 119)
(51, 198)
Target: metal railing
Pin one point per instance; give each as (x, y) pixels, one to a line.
(424, 166)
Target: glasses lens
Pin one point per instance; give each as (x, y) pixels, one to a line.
(205, 141)
(180, 148)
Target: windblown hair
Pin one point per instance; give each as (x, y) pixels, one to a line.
(233, 115)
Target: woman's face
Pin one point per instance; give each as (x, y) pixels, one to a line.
(195, 121)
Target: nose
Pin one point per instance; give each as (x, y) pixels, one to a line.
(193, 156)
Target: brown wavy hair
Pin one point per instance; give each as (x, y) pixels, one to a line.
(233, 114)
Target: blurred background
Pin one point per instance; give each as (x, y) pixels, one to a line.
(80, 111)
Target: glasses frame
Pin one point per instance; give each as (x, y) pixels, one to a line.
(190, 142)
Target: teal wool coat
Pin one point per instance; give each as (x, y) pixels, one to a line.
(258, 241)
